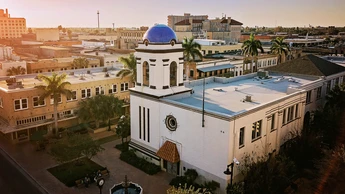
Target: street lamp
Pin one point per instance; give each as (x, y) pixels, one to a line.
(231, 172)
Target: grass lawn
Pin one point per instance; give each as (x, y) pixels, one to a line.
(108, 139)
(68, 173)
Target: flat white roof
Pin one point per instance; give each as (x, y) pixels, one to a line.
(228, 98)
(30, 82)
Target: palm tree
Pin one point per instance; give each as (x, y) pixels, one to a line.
(80, 62)
(280, 48)
(16, 71)
(191, 51)
(54, 87)
(250, 49)
(130, 64)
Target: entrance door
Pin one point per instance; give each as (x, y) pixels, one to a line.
(172, 168)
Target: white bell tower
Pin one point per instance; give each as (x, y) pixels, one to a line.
(160, 63)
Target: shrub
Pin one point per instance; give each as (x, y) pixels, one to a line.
(140, 163)
(191, 175)
(122, 147)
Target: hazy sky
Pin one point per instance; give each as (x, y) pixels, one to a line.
(135, 13)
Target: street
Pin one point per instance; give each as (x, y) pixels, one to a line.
(12, 180)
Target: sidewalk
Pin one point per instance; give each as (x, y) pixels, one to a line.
(36, 164)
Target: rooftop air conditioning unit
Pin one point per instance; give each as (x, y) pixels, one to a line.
(248, 98)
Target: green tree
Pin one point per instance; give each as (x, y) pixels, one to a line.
(60, 27)
(280, 48)
(89, 109)
(123, 128)
(30, 30)
(16, 71)
(191, 52)
(100, 108)
(74, 147)
(250, 49)
(80, 62)
(64, 30)
(54, 87)
(130, 64)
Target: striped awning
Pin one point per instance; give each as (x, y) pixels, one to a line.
(169, 152)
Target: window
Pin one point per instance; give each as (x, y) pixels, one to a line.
(21, 104)
(124, 87)
(241, 140)
(99, 90)
(173, 74)
(290, 116)
(113, 89)
(85, 93)
(336, 81)
(308, 100)
(273, 120)
(256, 130)
(52, 99)
(318, 93)
(328, 87)
(284, 116)
(139, 122)
(73, 97)
(296, 111)
(37, 102)
(146, 74)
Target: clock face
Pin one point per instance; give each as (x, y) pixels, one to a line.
(101, 182)
(171, 122)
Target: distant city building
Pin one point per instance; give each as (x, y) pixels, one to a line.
(57, 64)
(6, 65)
(55, 52)
(47, 34)
(173, 19)
(11, 27)
(223, 28)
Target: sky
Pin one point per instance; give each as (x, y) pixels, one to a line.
(136, 13)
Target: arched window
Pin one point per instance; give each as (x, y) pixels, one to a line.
(146, 74)
(173, 74)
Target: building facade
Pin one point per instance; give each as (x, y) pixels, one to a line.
(209, 123)
(47, 34)
(57, 64)
(21, 113)
(11, 27)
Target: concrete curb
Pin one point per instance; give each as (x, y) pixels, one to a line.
(23, 171)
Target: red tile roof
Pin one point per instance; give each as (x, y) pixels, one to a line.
(169, 152)
(186, 22)
(233, 22)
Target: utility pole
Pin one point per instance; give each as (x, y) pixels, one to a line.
(98, 17)
(113, 26)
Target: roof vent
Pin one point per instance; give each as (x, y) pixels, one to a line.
(248, 98)
(218, 89)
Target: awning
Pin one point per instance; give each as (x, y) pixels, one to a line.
(216, 67)
(169, 152)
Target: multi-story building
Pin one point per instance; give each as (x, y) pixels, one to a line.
(21, 112)
(173, 19)
(128, 38)
(57, 64)
(210, 123)
(11, 27)
(5, 65)
(47, 34)
(6, 53)
(224, 28)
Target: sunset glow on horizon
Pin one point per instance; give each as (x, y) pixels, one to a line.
(136, 13)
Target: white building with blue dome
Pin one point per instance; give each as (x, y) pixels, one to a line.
(190, 125)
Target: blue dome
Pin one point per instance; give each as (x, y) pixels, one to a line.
(160, 33)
